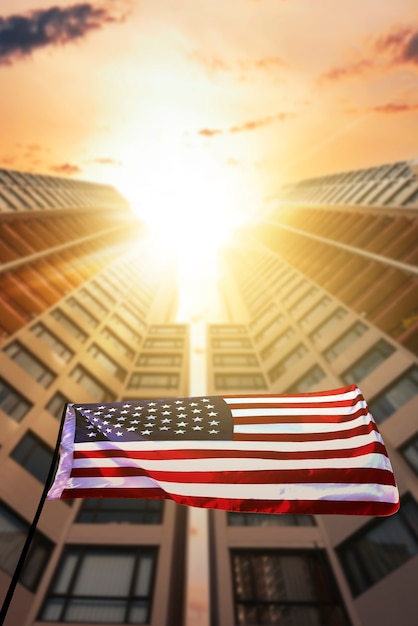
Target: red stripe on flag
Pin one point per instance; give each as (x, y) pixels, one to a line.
(229, 477)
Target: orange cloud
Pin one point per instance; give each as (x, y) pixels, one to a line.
(209, 132)
(395, 107)
(254, 124)
(66, 168)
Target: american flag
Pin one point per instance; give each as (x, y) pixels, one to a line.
(308, 453)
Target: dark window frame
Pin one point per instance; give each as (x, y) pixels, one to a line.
(81, 553)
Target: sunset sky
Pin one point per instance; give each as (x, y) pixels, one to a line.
(206, 103)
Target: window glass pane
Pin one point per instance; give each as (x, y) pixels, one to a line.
(104, 575)
(56, 405)
(12, 402)
(329, 323)
(345, 342)
(369, 362)
(258, 519)
(68, 324)
(101, 611)
(52, 342)
(381, 547)
(27, 361)
(130, 510)
(145, 569)
(410, 454)
(34, 455)
(101, 585)
(13, 532)
(285, 587)
(395, 396)
(63, 580)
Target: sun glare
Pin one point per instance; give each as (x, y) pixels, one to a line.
(191, 206)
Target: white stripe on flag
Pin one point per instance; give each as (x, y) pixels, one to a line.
(299, 427)
(377, 461)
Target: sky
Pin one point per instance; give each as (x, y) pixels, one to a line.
(204, 107)
(198, 111)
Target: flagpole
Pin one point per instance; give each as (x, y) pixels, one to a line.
(32, 529)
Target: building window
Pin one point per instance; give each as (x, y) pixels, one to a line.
(267, 312)
(29, 363)
(232, 342)
(34, 455)
(91, 385)
(308, 381)
(69, 325)
(12, 402)
(369, 362)
(234, 360)
(82, 312)
(409, 452)
(345, 341)
(52, 342)
(285, 587)
(92, 301)
(331, 321)
(132, 317)
(396, 395)
(56, 405)
(259, 519)
(159, 360)
(102, 585)
(119, 323)
(240, 381)
(103, 359)
(166, 380)
(270, 328)
(117, 510)
(312, 313)
(164, 344)
(301, 303)
(278, 343)
(227, 330)
(13, 531)
(167, 330)
(290, 361)
(117, 343)
(101, 292)
(380, 547)
(296, 291)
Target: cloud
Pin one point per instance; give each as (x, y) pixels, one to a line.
(254, 124)
(209, 132)
(347, 71)
(398, 47)
(212, 63)
(20, 35)
(247, 126)
(395, 107)
(402, 44)
(106, 161)
(215, 64)
(66, 168)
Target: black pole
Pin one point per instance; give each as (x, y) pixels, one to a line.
(32, 529)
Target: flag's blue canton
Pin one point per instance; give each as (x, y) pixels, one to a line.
(172, 418)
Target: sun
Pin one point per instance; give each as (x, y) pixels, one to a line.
(191, 205)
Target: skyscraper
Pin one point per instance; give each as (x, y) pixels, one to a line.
(317, 293)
